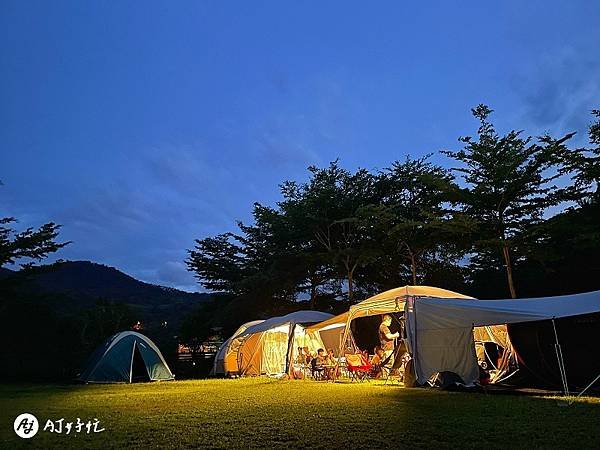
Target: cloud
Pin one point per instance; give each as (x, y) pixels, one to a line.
(175, 273)
(559, 90)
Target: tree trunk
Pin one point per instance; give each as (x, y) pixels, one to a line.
(509, 274)
(350, 286)
(313, 294)
(413, 268)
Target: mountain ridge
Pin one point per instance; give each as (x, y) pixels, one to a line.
(83, 283)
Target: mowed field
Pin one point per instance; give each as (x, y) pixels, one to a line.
(295, 414)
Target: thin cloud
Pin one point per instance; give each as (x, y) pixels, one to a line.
(558, 91)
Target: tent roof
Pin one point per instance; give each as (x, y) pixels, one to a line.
(302, 317)
(393, 300)
(415, 291)
(244, 327)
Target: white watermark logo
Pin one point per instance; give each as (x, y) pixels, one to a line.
(26, 425)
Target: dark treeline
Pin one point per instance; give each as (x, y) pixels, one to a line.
(511, 216)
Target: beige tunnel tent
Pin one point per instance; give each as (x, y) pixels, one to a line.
(267, 348)
(226, 358)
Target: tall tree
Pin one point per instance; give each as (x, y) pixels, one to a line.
(218, 262)
(331, 201)
(585, 164)
(418, 224)
(566, 246)
(509, 185)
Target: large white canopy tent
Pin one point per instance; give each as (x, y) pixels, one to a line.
(268, 348)
(440, 331)
(440, 323)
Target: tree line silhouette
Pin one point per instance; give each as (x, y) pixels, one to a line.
(512, 216)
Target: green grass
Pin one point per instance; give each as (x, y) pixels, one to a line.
(267, 413)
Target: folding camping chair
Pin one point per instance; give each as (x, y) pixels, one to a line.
(358, 367)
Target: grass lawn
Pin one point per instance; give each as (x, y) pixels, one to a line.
(268, 413)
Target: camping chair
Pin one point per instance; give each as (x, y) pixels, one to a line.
(317, 372)
(358, 367)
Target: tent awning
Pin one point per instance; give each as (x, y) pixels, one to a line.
(439, 314)
(329, 324)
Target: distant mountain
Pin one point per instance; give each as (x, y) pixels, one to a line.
(85, 282)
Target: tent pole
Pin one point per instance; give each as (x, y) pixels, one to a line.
(288, 357)
(586, 388)
(131, 362)
(561, 363)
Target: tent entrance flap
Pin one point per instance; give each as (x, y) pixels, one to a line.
(139, 372)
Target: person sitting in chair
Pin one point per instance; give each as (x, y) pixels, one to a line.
(331, 361)
(376, 361)
(378, 357)
(318, 363)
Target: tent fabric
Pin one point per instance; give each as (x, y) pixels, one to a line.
(393, 301)
(226, 352)
(335, 322)
(113, 361)
(452, 314)
(415, 291)
(268, 347)
(440, 323)
(302, 317)
(498, 334)
(440, 331)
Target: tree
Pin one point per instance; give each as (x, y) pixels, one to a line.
(509, 186)
(565, 247)
(418, 224)
(217, 262)
(585, 164)
(331, 201)
(31, 243)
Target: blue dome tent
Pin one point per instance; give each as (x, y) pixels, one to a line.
(126, 357)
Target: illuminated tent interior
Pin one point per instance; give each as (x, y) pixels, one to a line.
(441, 325)
(329, 333)
(126, 357)
(393, 301)
(268, 348)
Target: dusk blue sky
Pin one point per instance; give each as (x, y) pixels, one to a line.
(140, 126)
